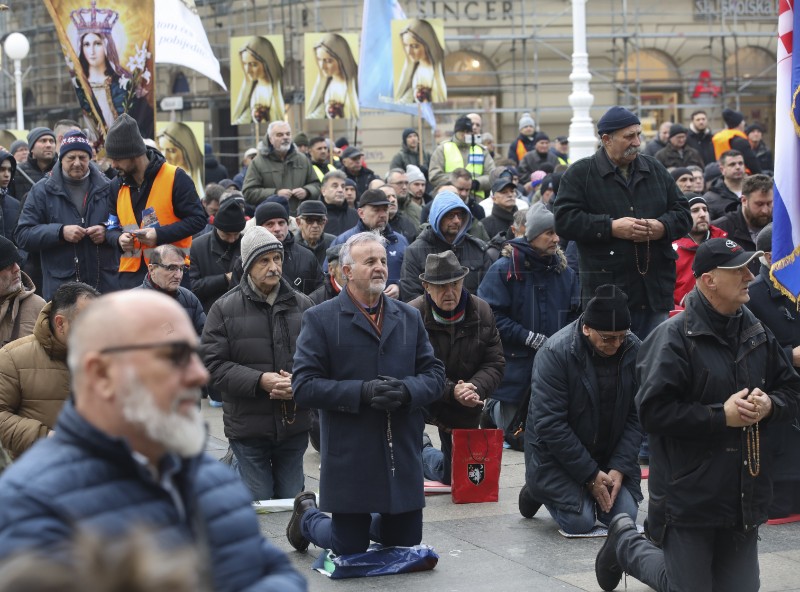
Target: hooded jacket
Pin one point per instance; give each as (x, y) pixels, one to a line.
(470, 251)
(406, 156)
(268, 173)
(701, 141)
(34, 383)
(18, 312)
(9, 205)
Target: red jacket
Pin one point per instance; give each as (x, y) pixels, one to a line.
(686, 248)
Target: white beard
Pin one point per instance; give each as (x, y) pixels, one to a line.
(182, 434)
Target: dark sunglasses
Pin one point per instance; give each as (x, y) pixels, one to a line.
(179, 353)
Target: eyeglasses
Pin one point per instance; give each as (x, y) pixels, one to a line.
(179, 353)
(172, 268)
(612, 338)
(314, 220)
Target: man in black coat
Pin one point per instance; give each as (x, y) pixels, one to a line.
(41, 160)
(623, 210)
(212, 255)
(312, 218)
(699, 137)
(752, 215)
(779, 314)
(353, 165)
(164, 274)
(248, 345)
(504, 196)
(341, 217)
(723, 193)
(9, 205)
(364, 360)
(582, 436)
(713, 383)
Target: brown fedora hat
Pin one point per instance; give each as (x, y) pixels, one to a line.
(443, 268)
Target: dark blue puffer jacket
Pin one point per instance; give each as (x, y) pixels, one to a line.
(83, 478)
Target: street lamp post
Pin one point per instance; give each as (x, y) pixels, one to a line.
(582, 141)
(17, 48)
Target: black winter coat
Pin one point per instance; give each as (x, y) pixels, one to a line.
(591, 195)
(188, 301)
(500, 221)
(320, 251)
(702, 142)
(564, 421)
(243, 338)
(46, 211)
(26, 176)
(720, 199)
(699, 476)
(211, 258)
(735, 225)
(471, 253)
(340, 218)
(471, 351)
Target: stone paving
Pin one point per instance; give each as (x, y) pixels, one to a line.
(490, 547)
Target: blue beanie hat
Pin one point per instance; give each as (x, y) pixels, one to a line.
(616, 118)
(75, 140)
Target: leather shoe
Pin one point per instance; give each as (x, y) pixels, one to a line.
(302, 502)
(606, 566)
(527, 505)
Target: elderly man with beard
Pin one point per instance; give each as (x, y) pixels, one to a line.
(364, 360)
(280, 169)
(63, 222)
(127, 453)
(752, 215)
(165, 273)
(248, 346)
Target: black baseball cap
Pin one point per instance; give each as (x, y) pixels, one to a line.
(352, 152)
(373, 197)
(502, 183)
(721, 253)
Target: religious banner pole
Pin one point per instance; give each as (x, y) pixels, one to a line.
(419, 126)
(330, 138)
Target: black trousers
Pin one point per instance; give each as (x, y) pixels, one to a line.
(693, 560)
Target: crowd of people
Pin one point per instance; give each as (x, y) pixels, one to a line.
(315, 300)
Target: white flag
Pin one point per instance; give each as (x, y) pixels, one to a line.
(182, 40)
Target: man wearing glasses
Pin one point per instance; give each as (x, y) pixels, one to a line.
(165, 273)
(127, 453)
(312, 216)
(582, 436)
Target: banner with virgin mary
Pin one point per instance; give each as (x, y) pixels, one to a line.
(257, 79)
(418, 61)
(109, 47)
(331, 75)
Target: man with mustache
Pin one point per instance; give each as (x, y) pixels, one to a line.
(280, 169)
(623, 210)
(248, 345)
(127, 453)
(753, 214)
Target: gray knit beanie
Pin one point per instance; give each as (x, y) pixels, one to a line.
(37, 134)
(525, 121)
(124, 139)
(537, 220)
(257, 240)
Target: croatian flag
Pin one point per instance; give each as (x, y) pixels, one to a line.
(785, 270)
(375, 82)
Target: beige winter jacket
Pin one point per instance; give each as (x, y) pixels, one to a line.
(34, 383)
(25, 307)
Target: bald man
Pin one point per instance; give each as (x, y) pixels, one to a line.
(128, 452)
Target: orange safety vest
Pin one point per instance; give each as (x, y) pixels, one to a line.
(722, 140)
(160, 199)
(521, 150)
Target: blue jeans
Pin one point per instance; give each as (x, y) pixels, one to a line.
(271, 470)
(501, 412)
(436, 464)
(346, 534)
(583, 521)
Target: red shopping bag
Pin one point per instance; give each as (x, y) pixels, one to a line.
(476, 465)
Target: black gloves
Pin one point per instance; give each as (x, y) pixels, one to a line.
(476, 185)
(384, 394)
